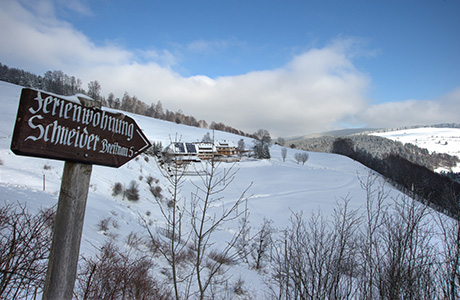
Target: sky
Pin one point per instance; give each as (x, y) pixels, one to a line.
(292, 67)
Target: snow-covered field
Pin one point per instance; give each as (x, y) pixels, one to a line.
(439, 140)
(278, 188)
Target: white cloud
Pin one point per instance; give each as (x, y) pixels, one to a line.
(446, 109)
(35, 38)
(315, 91)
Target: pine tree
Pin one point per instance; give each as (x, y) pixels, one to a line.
(262, 144)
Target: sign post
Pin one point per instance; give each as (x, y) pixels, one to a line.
(53, 127)
(65, 248)
(81, 134)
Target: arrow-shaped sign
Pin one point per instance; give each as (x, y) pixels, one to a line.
(49, 126)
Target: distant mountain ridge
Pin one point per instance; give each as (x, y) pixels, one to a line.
(334, 133)
(442, 125)
(356, 131)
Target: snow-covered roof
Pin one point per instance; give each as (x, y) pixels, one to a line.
(182, 148)
(205, 147)
(225, 143)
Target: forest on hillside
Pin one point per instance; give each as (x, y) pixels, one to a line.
(380, 148)
(406, 166)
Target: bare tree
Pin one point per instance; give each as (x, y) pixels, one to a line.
(186, 241)
(370, 244)
(283, 153)
(118, 274)
(387, 253)
(241, 147)
(262, 243)
(449, 275)
(209, 261)
(281, 141)
(398, 257)
(172, 239)
(94, 90)
(25, 241)
(207, 138)
(317, 259)
(409, 256)
(110, 99)
(301, 157)
(345, 258)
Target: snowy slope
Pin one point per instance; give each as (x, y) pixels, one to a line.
(278, 188)
(439, 140)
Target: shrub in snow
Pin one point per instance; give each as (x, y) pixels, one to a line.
(132, 192)
(25, 241)
(117, 189)
(103, 224)
(239, 287)
(221, 257)
(134, 241)
(151, 180)
(156, 192)
(118, 274)
(115, 224)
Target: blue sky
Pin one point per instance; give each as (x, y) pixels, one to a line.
(292, 67)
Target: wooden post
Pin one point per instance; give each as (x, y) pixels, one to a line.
(65, 248)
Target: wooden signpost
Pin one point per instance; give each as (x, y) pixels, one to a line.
(51, 127)
(81, 134)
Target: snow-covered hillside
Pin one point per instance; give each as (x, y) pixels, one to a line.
(439, 140)
(278, 188)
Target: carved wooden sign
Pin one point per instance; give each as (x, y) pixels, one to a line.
(50, 126)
